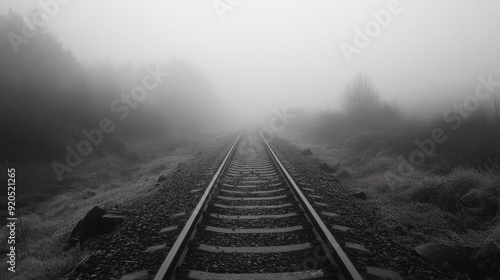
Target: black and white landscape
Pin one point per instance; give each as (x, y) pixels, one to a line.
(264, 139)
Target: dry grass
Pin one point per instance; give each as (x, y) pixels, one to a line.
(105, 181)
(460, 207)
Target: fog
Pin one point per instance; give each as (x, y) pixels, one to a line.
(266, 54)
(131, 108)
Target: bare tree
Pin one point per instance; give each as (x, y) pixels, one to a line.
(360, 95)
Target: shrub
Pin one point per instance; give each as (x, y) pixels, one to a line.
(360, 96)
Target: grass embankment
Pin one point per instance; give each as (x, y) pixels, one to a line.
(451, 204)
(50, 209)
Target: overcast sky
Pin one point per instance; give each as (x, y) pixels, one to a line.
(272, 52)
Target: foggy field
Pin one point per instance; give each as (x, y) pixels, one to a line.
(456, 206)
(387, 112)
(51, 209)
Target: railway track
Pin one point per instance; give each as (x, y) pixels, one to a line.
(253, 222)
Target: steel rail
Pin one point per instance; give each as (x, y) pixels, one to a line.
(331, 247)
(333, 251)
(177, 252)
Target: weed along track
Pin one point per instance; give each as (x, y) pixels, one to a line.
(253, 222)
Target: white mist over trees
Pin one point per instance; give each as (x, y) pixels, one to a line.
(48, 98)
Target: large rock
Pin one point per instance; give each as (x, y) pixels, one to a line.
(360, 195)
(307, 152)
(458, 257)
(327, 168)
(95, 222)
(162, 178)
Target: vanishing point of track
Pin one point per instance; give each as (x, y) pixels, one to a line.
(253, 222)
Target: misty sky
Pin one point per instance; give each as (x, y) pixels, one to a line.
(287, 52)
